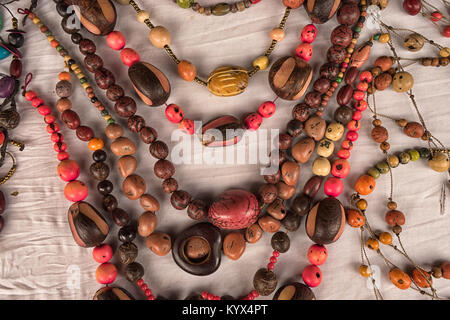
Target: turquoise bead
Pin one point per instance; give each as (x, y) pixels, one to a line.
(4, 53)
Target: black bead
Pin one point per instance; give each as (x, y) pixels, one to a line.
(94, 99)
(16, 39)
(99, 156)
(127, 233)
(61, 8)
(105, 187)
(71, 62)
(76, 38)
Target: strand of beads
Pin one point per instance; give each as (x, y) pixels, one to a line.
(2, 210)
(219, 9)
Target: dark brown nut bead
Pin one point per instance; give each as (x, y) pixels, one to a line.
(268, 193)
(127, 252)
(197, 210)
(273, 178)
(114, 92)
(300, 112)
(164, 169)
(87, 46)
(76, 38)
(70, 119)
(109, 203)
(170, 185)
(336, 54)
(134, 271)
(280, 242)
(148, 135)
(313, 99)
(329, 71)
(180, 199)
(135, 123)
(125, 107)
(93, 62)
(291, 221)
(2, 202)
(342, 36)
(284, 141)
(343, 114)
(301, 204)
(265, 282)
(312, 186)
(294, 128)
(348, 14)
(379, 134)
(105, 187)
(351, 75)
(159, 149)
(321, 85)
(344, 95)
(99, 170)
(104, 78)
(63, 89)
(67, 27)
(120, 217)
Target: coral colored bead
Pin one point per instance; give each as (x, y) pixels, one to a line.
(64, 76)
(277, 34)
(56, 137)
(267, 109)
(308, 34)
(144, 286)
(333, 187)
(343, 154)
(44, 110)
(352, 135)
(49, 118)
(68, 170)
(312, 276)
(30, 95)
(174, 113)
(253, 121)
(317, 254)
(95, 144)
(75, 191)
(359, 95)
(365, 185)
(115, 40)
(102, 253)
(363, 86)
(366, 76)
(304, 51)
(36, 102)
(62, 156)
(106, 273)
(357, 115)
(255, 294)
(205, 295)
(340, 168)
(436, 16)
(353, 125)
(347, 145)
(129, 56)
(360, 105)
(58, 147)
(187, 126)
(51, 128)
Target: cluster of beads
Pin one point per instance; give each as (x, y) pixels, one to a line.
(308, 35)
(219, 9)
(106, 272)
(430, 12)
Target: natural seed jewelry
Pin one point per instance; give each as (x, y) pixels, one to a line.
(219, 9)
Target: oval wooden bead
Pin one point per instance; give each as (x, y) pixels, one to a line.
(277, 210)
(342, 36)
(344, 95)
(379, 134)
(197, 210)
(120, 217)
(285, 191)
(164, 169)
(147, 223)
(321, 11)
(112, 293)
(159, 243)
(150, 83)
(221, 9)
(348, 14)
(134, 187)
(351, 75)
(98, 16)
(123, 147)
(269, 224)
(326, 221)
(234, 245)
(253, 233)
(159, 149)
(15, 68)
(301, 204)
(70, 119)
(180, 199)
(113, 131)
(289, 77)
(187, 70)
(291, 221)
(315, 127)
(215, 134)
(160, 37)
(149, 203)
(290, 172)
(294, 291)
(302, 150)
(312, 186)
(228, 81)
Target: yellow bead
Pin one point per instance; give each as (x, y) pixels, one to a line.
(361, 204)
(354, 40)
(67, 58)
(160, 37)
(36, 20)
(85, 85)
(142, 15)
(50, 38)
(384, 38)
(341, 75)
(445, 52)
(106, 118)
(95, 144)
(80, 74)
(364, 271)
(350, 50)
(347, 60)
(385, 238)
(77, 71)
(74, 67)
(261, 62)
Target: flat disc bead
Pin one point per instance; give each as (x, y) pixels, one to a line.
(159, 37)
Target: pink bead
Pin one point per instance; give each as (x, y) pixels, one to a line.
(187, 126)
(75, 191)
(205, 295)
(250, 298)
(358, 95)
(253, 121)
(308, 34)
(317, 254)
(343, 154)
(68, 170)
(129, 56)
(210, 296)
(49, 118)
(344, 65)
(174, 113)
(44, 110)
(51, 128)
(312, 276)
(276, 253)
(56, 137)
(255, 294)
(333, 187)
(62, 156)
(267, 109)
(352, 135)
(36, 102)
(357, 115)
(273, 259)
(102, 253)
(304, 51)
(144, 286)
(115, 40)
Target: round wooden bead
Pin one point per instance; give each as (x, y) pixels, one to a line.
(348, 14)
(135, 123)
(93, 62)
(414, 42)
(99, 170)
(148, 135)
(277, 34)
(159, 150)
(84, 133)
(265, 282)
(197, 210)
(164, 169)
(104, 78)
(63, 89)
(98, 17)
(379, 134)
(187, 70)
(125, 107)
(142, 15)
(280, 242)
(180, 199)
(170, 185)
(113, 131)
(160, 37)
(342, 36)
(402, 81)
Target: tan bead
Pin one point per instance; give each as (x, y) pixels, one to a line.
(114, 131)
(142, 15)
(159, 37)
(262, 62)
(321, 166)
(277, 34)
(392, 205)
(444, 52)
(187, 70)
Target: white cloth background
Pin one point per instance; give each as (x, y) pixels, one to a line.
(36, 247)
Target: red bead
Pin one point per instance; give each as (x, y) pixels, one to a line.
(353, 125)
(412, 7)
(56, 137)
(347, 144)
(352, 135)
(276, 253)
(363, 86)
(312, 276)
(359, 95)
(254, 1)
(69, 170)
(30, 95)
(174, 113)
(273, 259)
(58, 147)
(216, 298)
(54, 127)
(187, 126)
(343, 154)
(333, 187)
(36, 102)
(148, 292)
(115, 40)
(205, 295)
(253, 121)
(102, 253)
(62, 156)
(140, 282)
(340, 168)
(152, 297)
(106, 273)
(44, 110)
(255, 294)
(344, 65)
(357, 115)
(360, 105)
(267, 109)
(317, 254)
(446, 32)
(308, 34)
(304, 51)
(49, 118)
(129, 56)
(144, 287)
(436, 16)
(270, 266)
(366, 76)
(210, 296)
(250, 297)
(75, 191)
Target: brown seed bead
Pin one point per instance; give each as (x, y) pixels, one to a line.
(268, 193)
(113, 131)
(301, 112)
(187, 70)
(86, 46)
(312, 99)
(125, 107)
(109, 202)
(123, 147)
(253, 233)
(120, 217)
(159, 243)
(290, 172)
(385, 146)
(114, 92)
(379, 134)
(276, 209)
(414, 130)
(284, 141)
(321, 85)
(135, 123)
(392, 205)
(159, 150)
(180, 199)
(170, 185)
(93, 62)
(164, 169)
(197, 248)
(234, 245)
(376, 122)
(149, 203)
(160, 37)
(273, 178)
(402, 122)
(134, 187)
(126, 165)
(197, 210)
(99, 170)
(397, 229)
(147, 223)
(436, 272)
(104, 78)
(63, 104)
(395, 217)
(84, 133)
(285, 191)
(269, 224)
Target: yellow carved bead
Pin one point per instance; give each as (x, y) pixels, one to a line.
(445, 52)
(384, 38)
(261, 62)
(228, 81)
(143, 15)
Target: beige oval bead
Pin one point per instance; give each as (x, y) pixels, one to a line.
(325, 148)
(334, 131)
(321, 166)
(262, 62)
(126, 165)
(234, 245)
(187, 70)
(276, 209)
(113, 131)
(142, 15)
(147, 223)
(290, 171)
(269, 224)
(159, 37)
(277, 34)
(285, 191)
(123, 147)
(253, 233)
(159, 243)
(439, 162)
(134, 187)
(149, 203)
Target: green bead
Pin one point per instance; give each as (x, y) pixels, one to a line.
(111, 121)
(83, 80)
(383, 167)
(425, 153)
(374, 173)
(48, 33)
(414, 154)
(59, 48)
(404, 157)
(357, 29)
(377, 36)
(338, 80)
(185, 4)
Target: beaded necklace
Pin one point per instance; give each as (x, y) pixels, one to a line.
(219, 9)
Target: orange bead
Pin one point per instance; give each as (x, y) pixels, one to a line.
(187, 70)
(277, 34)
(420, 280)
(365, 185)
(355, 218)
(364, 271)
(64, 76)
(54, 43)
(385, 238)
(95, 144)
(400, 279)
(373, 244)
